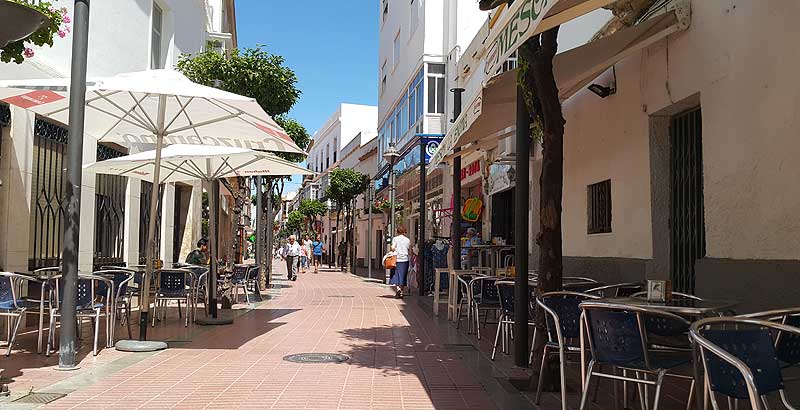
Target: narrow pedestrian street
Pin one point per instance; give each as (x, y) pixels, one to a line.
(397, 358)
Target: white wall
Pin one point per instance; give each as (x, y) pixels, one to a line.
(747, 87)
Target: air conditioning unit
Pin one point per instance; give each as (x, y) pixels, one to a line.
(507, 147)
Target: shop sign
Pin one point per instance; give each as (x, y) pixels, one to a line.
(501, 177)
(471, 169)
(460, 126)
(431, 144)
(517, 24)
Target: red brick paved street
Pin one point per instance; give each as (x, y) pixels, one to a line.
(397, 359)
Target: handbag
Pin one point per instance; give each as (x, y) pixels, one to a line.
(390, 260)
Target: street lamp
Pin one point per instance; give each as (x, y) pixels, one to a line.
(391, 156)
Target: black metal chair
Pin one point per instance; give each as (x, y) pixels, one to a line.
(563, 313)
(505, 325)
(238, 280)
(787, 345)
(619, 338)
(617, 290)
(484, 298)
(12, 305)
(173, 284)
(89, 305)
(741, 358)
(121, 299)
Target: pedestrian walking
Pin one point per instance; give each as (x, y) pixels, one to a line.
(316, 248)
(305, 261)
(400, 247)
(291, 253)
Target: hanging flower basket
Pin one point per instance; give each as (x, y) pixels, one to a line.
(27, 23)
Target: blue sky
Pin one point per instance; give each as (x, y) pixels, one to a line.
(332, 46)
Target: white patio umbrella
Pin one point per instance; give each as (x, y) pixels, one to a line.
(198, 162)
(158, 107)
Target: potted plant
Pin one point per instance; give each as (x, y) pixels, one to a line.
(25, 23)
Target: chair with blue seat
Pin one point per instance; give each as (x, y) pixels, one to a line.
(89, 305)
(741, 359)
(200, 273)
(484, 298)
(505, 291)
(562, 319)
(618, 338)
(238, 280)
(121, 300)
(617, 290)
(787, 344)
(12, 305)
(253, 282)
(173, 284)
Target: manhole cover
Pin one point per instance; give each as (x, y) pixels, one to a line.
(39, 398)
(316, 358)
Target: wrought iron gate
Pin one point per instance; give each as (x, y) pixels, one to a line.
(688, 238)
(144, 219)
(109, 228)
(48, 195)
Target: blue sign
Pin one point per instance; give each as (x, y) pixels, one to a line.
(431, 144)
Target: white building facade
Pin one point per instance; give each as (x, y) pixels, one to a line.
(123, 37)
(420, 42)
(350, 123)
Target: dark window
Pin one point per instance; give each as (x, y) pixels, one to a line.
(599, 205)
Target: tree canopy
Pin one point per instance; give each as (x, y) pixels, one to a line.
(345, 185)
(294, 221)
(255, 73)
(311, 208)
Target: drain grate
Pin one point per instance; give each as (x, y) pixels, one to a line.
(39, 398)
(313, 358)
(341, 296)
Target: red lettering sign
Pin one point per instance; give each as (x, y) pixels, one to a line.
(34, 98)
(471, 169)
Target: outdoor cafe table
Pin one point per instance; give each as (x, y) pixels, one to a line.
(494, 254)
(688, 308)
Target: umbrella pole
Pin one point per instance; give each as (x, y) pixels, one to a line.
(144, 293)
(211, 285)
(212, 243)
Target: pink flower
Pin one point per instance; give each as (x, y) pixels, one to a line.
(66, 19)
(62, 34)
(64, 10)
(28, 53)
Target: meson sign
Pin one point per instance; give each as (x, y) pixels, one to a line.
(517, 24)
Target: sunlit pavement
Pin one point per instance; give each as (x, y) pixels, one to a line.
(397, 358)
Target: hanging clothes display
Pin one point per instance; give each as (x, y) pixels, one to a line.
(435, 254)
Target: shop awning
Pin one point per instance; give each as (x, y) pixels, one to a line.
(492, 113)
(526, 18)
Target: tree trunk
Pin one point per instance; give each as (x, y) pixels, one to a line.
(334, 245)
(543, 102)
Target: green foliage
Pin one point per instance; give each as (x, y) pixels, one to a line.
(346, 185)
(311, 208)
(294, 221)
(299, 135)
(255, 73)
(17, 51)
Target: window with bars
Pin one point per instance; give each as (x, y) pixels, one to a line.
(109, 213)
(598, 198)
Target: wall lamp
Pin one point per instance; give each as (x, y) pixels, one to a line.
(603, 91)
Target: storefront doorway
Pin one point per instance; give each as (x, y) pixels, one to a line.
(503, 215)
